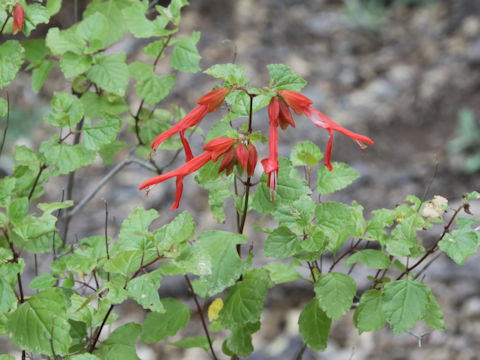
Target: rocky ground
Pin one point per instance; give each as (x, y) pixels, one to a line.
(399, 76)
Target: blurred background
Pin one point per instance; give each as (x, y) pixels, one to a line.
(403, 72)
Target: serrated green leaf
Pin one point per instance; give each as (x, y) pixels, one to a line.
(98, 106)
(374, 259)
(113, 12)
(244, 301)
(48, 208)
(284, 78)
(95, 137)
(121, 343)
(472, 196)
(338, 179)
(305, 153)
(67, 110)
(65, 157)
(31, 227)
(185, 56)
(193, 342)
(282, 243)
(34, 14)
(40, 74)
(144, 290)
(42, 281)
(124, 262)
(30, 325)
(85, 357)
(375, 227)
(107, 152)
(140, 26)
(175, 317)
(434, 317)
(216, 252)
(369, 315)
(110, 73)
(314, 326)
(231, 73)
(281, 273)
(335, 292)
(53, 6)
(338, 222)
(404, 303)
(63, 41)
(240, 340)
(93, 29)
(74, 64)
(290, 187)
(155, 88)
(35, 51)
(11, 59)
(7, 295)
(17, 210)
(172, 237)
(459, 245)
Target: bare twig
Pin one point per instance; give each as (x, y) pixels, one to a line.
(352, 247)
(35, 183)
(8, 118)
(200, 313)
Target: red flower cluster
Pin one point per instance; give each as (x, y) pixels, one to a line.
(242, 151)
(18, 17)
(233, 150)
(279, 114)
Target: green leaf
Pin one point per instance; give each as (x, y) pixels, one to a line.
(434, 317)
(219, 191)
(95, 137)
(40, 74)
(34, 14)
(240, 340)
(17, 210)
(65, 157)
(174, 10)
(11, 59)
(35, 51)
(335, 292)
(282, 243)
(124, 262)
(305, 153)
(140, 26)
(155, 88)
(53, 6)
(113, 12)
(193, 342)
(93, 29)
(472, 196)
(175, 317)
(290, 187)
(67, 110)
(404, 303)
(110, 73)
(121, 343)
(185, 56)
(73, 64)
(48, 208)
(231, 73)
(144, 290)
(216, 252)
(7, 295)
(374, 259)
(43, 281)
(375, 226)
(85, 357)
(172, 237)
(98, 106)
(459, 245)
(3, 107)
(281, 273)
(338, 179)
(298, 215)
(6, 357)
(284, 78)
(107, 152)
(339, 222)
(41, 318)
(314, 326)
(369, 315)
(244, 301)
(63, 41)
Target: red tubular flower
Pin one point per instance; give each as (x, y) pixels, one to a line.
(295, 100)
(208, 103)
(324, 122)
(213, 150)
(18, 17)
(284, 116)
(241, 153)
(252, 159)
(228, 162)
(270, 164)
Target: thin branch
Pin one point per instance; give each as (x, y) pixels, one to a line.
(35, 183)
(446, 229)
(352, 247)
(200, 313)
(9, 15)
(427, 265)
(52, 348)
(434, 175)
(300, 352)
(99, 330)
(8, 118)
(106, 236)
